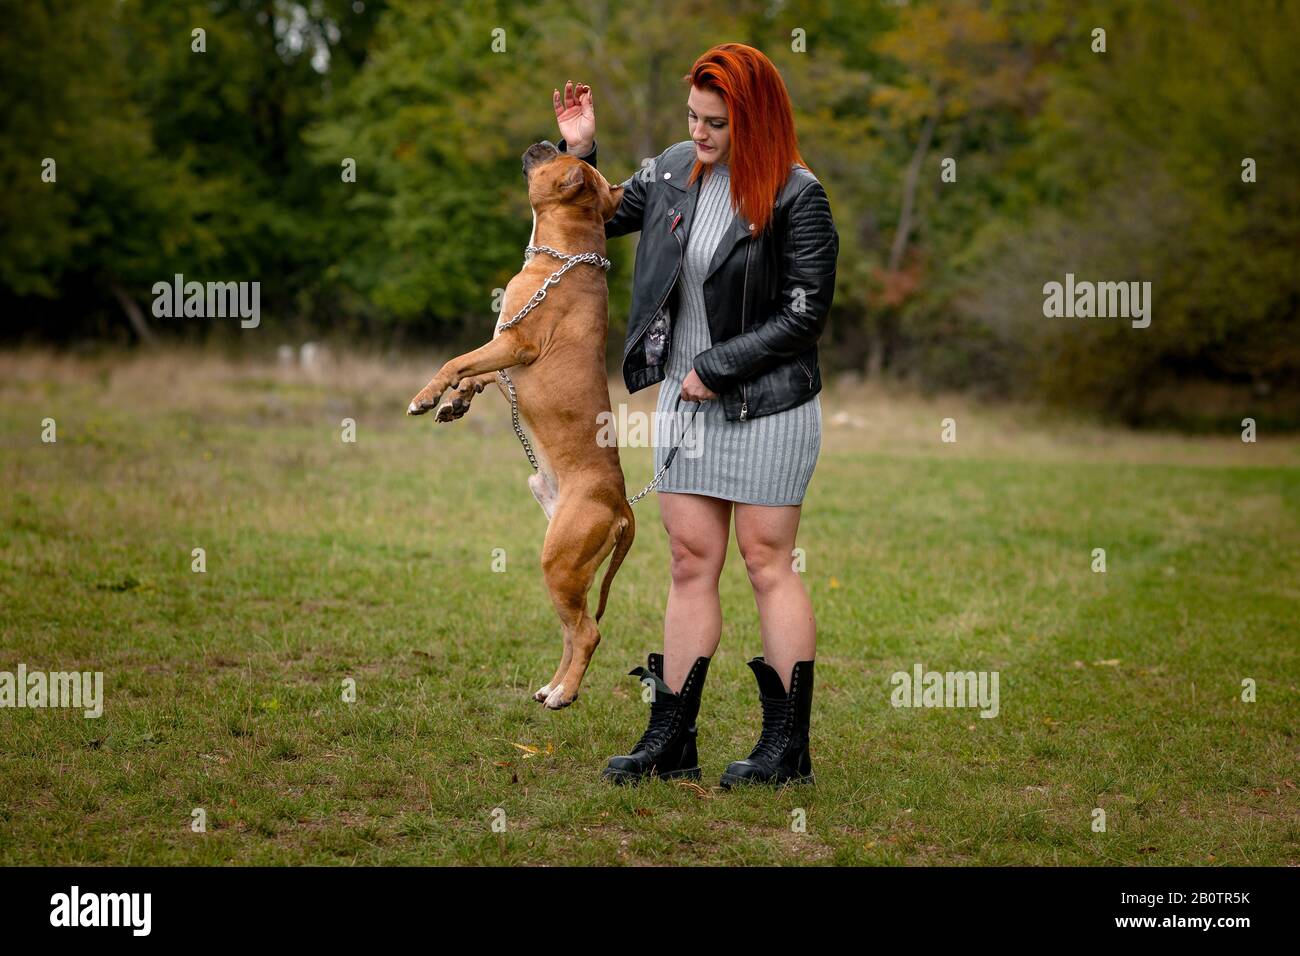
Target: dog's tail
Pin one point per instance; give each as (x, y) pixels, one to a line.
(622, 544)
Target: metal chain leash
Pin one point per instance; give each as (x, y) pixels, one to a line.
(668, 461)
(514, 420)
(569, 262)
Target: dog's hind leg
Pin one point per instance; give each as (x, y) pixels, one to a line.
(547, 496)
(543, 693)
(581, 535)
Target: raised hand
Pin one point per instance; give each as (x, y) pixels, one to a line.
(576, 115)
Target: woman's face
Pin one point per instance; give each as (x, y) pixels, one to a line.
(706, 118)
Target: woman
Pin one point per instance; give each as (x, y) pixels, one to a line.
(734, 277)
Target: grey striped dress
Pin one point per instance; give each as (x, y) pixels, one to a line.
(767, 460)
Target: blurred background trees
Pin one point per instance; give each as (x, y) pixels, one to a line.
(1122, 165)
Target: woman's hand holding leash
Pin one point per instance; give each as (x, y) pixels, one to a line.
(694, 390)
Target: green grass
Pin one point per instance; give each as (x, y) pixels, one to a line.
(373, 561)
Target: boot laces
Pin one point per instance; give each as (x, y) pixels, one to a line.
(662, 711)
(777, 714)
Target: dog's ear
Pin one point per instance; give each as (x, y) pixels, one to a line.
(573, 180)
(612, 203)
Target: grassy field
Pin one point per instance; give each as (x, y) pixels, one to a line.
(372, 560)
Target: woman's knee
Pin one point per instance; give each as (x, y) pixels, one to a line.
(768, 566)
(696, 560)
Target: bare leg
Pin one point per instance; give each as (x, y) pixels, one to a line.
(698, 529)
(765, 534)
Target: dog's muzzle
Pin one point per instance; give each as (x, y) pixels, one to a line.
(539, 153)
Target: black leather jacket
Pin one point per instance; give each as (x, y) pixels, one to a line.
(767, 299)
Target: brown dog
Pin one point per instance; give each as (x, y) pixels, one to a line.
(555, 357)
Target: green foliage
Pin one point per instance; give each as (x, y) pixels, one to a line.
(1130, 168)
(436, 218)
(1122, 165)
(119, 211)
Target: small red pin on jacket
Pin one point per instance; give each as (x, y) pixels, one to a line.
(675, 222)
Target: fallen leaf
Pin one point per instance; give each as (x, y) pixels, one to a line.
(526, 748)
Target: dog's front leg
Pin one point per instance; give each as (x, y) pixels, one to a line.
(461, 396)
(505, 351)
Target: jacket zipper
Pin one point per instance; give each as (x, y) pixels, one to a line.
(681, 254)
(744, 294)
(805, 371)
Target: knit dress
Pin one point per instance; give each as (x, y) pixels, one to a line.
(767, 460)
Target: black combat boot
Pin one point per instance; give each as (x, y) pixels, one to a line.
(667, 748)
(781, 755)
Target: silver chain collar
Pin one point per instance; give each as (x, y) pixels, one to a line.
(569, 262)
(594, 258)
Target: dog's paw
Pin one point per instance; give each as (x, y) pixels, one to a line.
(450, 411)
(542, 693)
(427, 398)
(557, 699)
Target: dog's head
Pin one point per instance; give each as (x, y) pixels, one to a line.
(556, 178)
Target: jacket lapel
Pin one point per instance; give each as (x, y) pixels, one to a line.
(739, 230)
(676, 175)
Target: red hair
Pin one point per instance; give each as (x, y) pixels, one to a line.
(763, 141)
